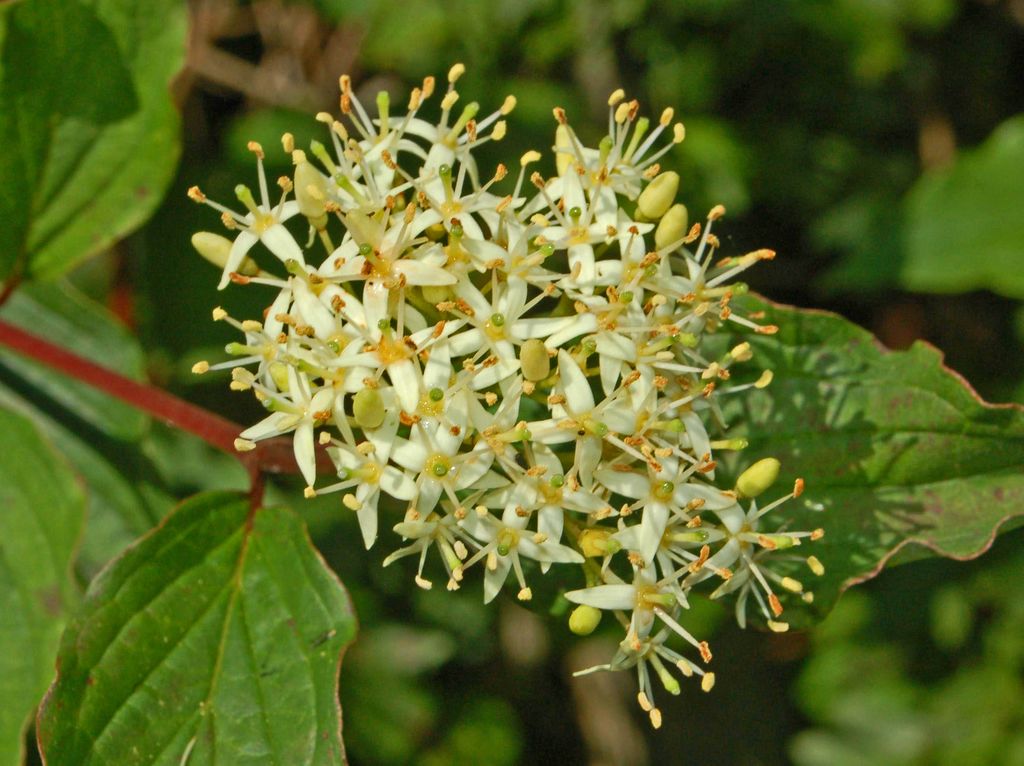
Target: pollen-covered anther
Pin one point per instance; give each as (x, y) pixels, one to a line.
(529, 157)
(707, 683)
(705, 651)
(644, 702)
(449, 100)
(201, 367)
(422, 582)
(655, 716)
(775, 604)
(697, 564)
(792, 585)
(525, 594)
(456, 71)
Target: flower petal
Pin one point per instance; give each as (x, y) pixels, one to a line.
(652, 529)
(494, 579)
(239, 249)
(281, 243)
(605, 597)
(305, 457)
(574, 384)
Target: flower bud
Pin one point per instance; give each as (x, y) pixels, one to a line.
(311, 193)
(657, 198)
(279, 374)
(584, 620)
(672, 226)
(434, 294)
(533, 356)
(215, 249)
(596, 543)
(368, 408)
(759, 477)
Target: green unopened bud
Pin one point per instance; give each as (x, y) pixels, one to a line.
(659, 195)
(672, 226)
(436, 232)
(759, 477)
(215, 249)
(584, 620)
(434, 294)
(596, 543)
(311, 193)
(279, 374)
(533, 357)
(368, 408)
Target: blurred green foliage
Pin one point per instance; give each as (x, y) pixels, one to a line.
(947, 692)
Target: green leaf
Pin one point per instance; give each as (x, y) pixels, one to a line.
(214, 640)
(89, 131)
(964, 229)
(98, 434)
(900, 456)
(43, 509)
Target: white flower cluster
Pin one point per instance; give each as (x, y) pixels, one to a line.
(521, 369)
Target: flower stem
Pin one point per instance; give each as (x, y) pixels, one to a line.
(270, 456)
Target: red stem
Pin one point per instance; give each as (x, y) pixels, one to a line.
(270, 456)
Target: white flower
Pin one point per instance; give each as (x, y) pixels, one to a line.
(262, 223)
(364, 468)
(504, 541)
(513, 363)
(300, 410)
